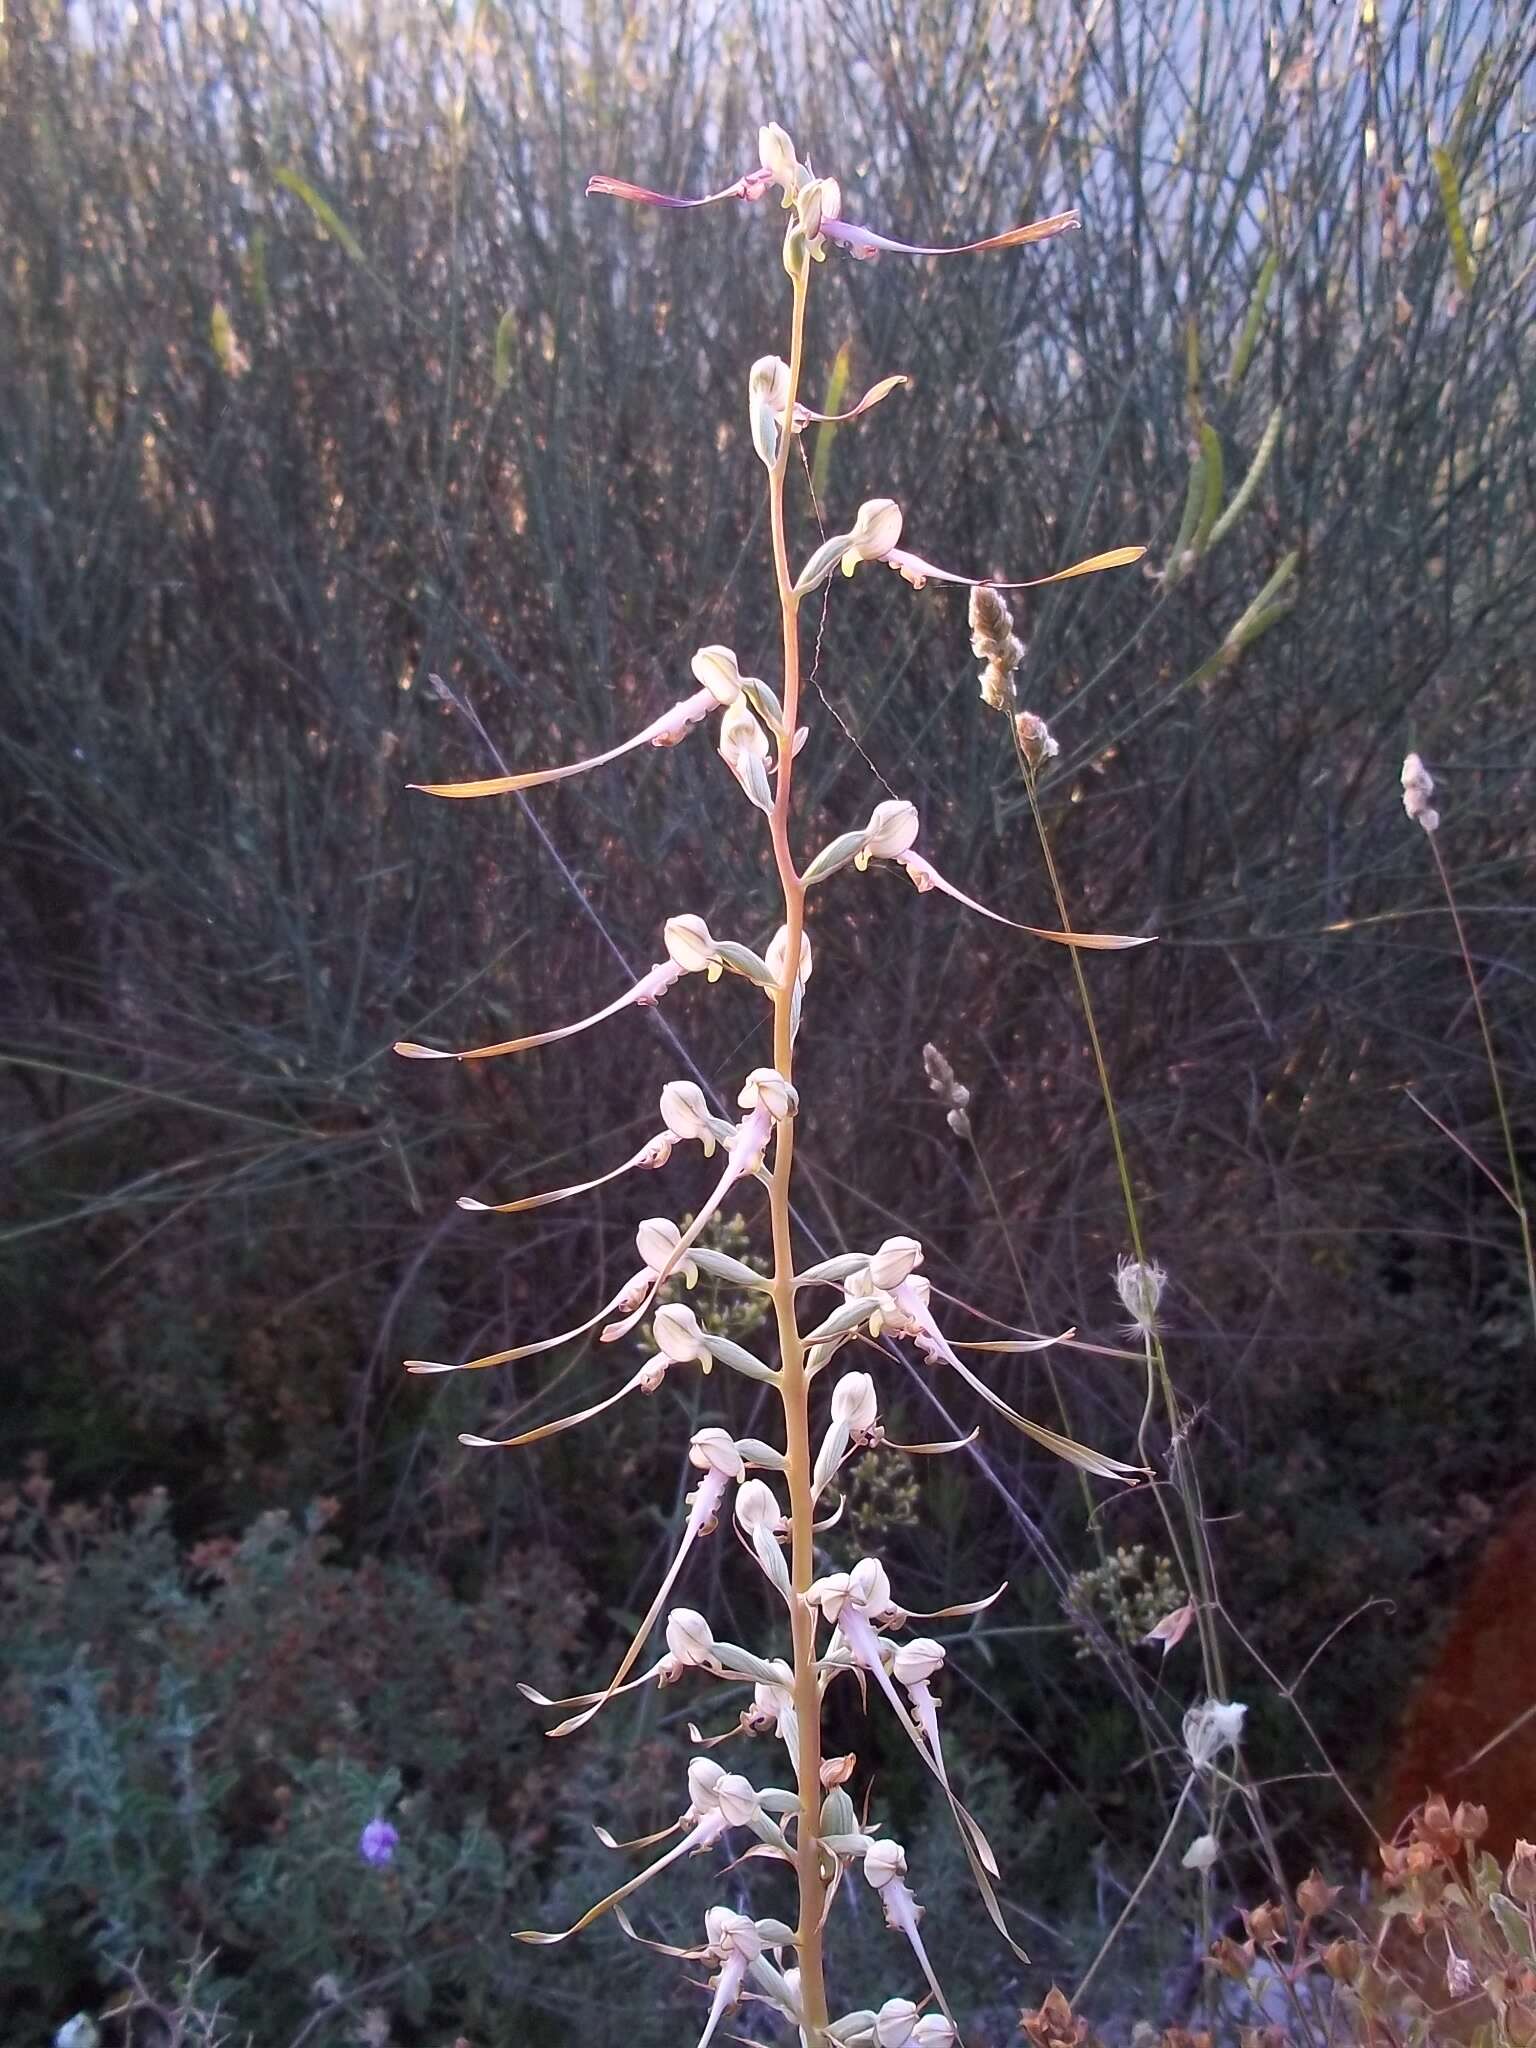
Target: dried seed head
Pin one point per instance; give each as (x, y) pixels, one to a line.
(1037, 743)
(1201, 1853)
(1139, 1284)
(1211, 1727)
(1418, 788)
(952, 1093)
(994, 645)
(1314, 1897)
(1520, 1878)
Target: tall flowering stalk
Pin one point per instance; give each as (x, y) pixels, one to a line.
(779, 1495)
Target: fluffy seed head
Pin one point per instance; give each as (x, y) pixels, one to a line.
(1140, 1285)
(1418, 788)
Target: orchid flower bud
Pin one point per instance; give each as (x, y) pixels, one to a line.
(704, 1776)
(933, 2030)
(766, 1088)
(891, 832)
(690, 1639)
(686, 1114)
(656, 1239)
(855, 1403)
(896, 2023)
(757, 1508)
(719, 672)
(893, 1262)
(884, 1862)
(869, 1588)
(916, 1662)
(744, 749)
(737, 1800)
(714, 1450)
(778, 953)
(876, 530)
(689, 946)
(678, 1335)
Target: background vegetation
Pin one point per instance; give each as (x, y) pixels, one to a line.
(319, 376)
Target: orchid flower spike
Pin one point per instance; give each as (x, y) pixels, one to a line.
(690, 950)
(720, 683)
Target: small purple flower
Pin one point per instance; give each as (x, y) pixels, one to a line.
(378, 1842)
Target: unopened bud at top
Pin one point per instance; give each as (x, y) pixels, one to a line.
(714, 1450)
(895, 1261)
(916, 1662)
(1418, 788)
(689, 944)
(684, 1110)
(719, 672)
(766, 1088)
(855, 1404)
(1037, 742)
(892, 829)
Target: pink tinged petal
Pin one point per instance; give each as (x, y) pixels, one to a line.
(426, 1365)
(805, 415)
(918, 572)
(649, 989)
(866, 244)
(924, 876)
(709, 1830)
(652, 1154)
(751, 185)
(665, 731)
(706, 1503)
(585, 1699)
(640, 1381)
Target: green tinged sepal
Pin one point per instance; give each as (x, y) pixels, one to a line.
(724, 1352)
(837, 853)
